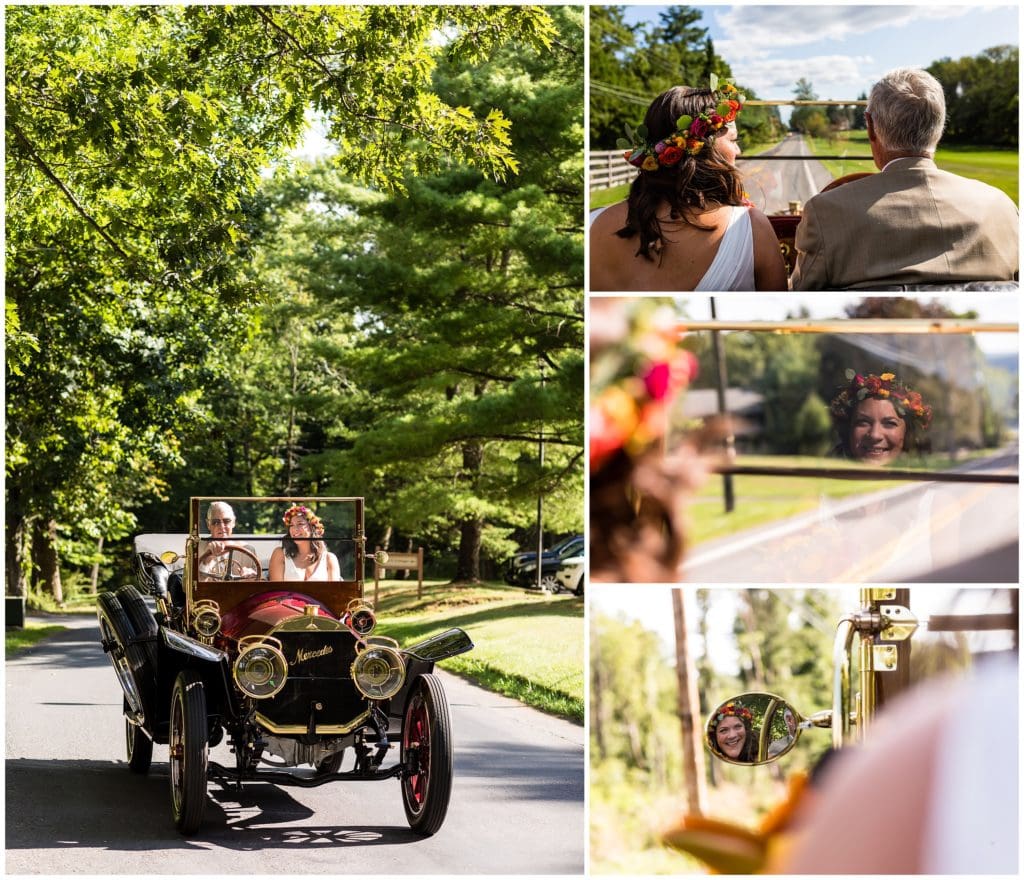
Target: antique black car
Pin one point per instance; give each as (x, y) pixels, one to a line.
(261, 635)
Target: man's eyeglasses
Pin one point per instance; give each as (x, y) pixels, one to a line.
(221, 522)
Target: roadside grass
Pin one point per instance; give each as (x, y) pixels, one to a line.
(528, 646)
(601, 198)
(998, 168)
(18, 639)
(766, 499)
(854, 143)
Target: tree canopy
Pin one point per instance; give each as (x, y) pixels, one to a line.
(631, 64)
(141, 300)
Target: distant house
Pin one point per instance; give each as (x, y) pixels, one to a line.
(745, 409)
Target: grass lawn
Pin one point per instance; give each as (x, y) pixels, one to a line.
(18, 639)
(528, 646)
(763, 499)
(998, 168)
(601, 198)
(766, 499)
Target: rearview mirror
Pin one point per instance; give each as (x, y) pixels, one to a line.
(753, 728)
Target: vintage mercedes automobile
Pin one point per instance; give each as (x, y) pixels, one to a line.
(289, 671)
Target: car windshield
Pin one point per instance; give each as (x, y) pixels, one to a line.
(847, 447)
(258, 525)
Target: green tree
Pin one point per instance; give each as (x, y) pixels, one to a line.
(616, 92)
(802, 91)
(812, 426)
(466, 289)
(982, 99)
(137, 137)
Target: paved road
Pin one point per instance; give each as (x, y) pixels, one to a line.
(773, 185)
(925, 532)
(73, 807)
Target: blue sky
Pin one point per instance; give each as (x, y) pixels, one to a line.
(842, 49)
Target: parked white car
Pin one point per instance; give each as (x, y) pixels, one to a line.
(570, 574)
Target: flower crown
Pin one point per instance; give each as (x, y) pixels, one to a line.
(734, 708)
(634, 380)
(908, 403)
(690, 135)
(315, 523)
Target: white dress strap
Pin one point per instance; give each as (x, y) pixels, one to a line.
(733, 266)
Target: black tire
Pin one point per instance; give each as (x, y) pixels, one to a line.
(188, 751)
(135, 674)
(139, 748)
(427, 749)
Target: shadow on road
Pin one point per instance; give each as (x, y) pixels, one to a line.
(535, 773)
(77, 647)
(101, 805)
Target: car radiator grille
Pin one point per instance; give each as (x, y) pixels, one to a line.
(319, 685)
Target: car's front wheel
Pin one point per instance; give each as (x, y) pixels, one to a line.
(427, 756)
(549, 583)
(188, 751)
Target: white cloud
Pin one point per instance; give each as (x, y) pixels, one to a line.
(831, 75)
(775, 27)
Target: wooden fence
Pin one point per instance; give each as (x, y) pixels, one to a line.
(607, 168)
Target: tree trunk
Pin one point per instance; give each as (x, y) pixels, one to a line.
(471, 528)
(290, 455)
(470, 532)
(689, 712)
(94, 577)
(44, 553)
(17, 573)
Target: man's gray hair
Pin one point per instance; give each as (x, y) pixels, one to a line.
(908, 110)
(219, 507)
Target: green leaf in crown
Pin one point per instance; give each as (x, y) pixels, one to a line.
(683, 123)
(713, 82)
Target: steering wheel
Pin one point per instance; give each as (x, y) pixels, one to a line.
(229, 568)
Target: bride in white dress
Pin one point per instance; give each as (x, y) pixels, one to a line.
(687, 224)
(302, 557)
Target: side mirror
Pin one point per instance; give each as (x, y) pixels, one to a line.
(753, 728)
(381, 557)
(169, 557)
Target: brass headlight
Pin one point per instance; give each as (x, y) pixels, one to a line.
(206, 618)
(260, 670)
(361, 617)
(379, 670)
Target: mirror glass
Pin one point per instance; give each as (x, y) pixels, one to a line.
(753, 728)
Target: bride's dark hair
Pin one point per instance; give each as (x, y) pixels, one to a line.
(690, 187)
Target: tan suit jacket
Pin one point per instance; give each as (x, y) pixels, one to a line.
(909, 224)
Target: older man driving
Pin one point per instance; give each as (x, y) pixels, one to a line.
(215, 560)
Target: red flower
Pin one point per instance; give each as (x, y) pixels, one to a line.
(670, 156)
(698, 128)
(873, 384)
(656, 380)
